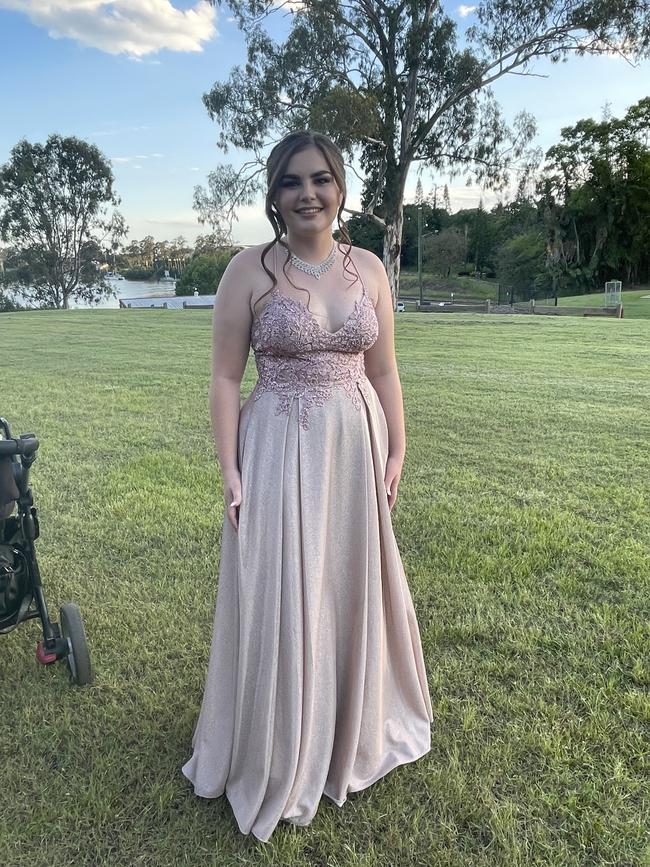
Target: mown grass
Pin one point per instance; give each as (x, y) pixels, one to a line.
(523, 521)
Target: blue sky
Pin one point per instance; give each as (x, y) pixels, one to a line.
(131, 83)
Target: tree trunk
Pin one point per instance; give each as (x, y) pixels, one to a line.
(392, 249)
(601, 237)
(393, 202)
(577, 237)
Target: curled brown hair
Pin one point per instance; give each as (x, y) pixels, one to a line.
(276, 167)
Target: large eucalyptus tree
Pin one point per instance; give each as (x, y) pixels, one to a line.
(395, 85)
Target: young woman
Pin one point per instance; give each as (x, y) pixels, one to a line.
(316, 681)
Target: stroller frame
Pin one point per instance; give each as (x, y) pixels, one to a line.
(18, 534)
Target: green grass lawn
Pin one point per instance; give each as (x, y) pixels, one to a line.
(636, 303)
(523, 519)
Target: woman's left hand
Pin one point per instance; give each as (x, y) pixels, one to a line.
(391, 478)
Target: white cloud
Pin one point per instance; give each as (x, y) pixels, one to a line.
(464, 11)
(132, 27)
(135, 158)
(146, 62)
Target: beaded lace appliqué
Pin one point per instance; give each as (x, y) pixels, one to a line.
(296, 357)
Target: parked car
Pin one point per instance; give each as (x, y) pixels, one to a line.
(400, 307)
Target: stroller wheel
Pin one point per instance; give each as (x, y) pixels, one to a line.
(78, 658)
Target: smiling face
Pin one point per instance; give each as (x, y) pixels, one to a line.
(307, 195)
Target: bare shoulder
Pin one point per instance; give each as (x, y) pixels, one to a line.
(371, 269)
(366, 258)
(244, 274)
(247, 260)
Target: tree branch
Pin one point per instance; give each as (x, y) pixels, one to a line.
(519, 55)
(368, 215)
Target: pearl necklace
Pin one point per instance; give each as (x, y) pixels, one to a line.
(316, 271)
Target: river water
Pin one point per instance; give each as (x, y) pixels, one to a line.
(129, 289)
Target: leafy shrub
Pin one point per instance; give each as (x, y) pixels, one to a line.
(203, 273)
(138, 274)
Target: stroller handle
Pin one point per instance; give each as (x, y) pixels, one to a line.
(27, 445)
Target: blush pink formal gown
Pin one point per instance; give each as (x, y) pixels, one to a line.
(316, 683)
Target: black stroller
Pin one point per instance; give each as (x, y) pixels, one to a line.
(21, 591)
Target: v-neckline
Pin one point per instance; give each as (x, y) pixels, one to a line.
(310, 315)
(276, 293)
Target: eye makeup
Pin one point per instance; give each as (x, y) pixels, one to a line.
(317, 176)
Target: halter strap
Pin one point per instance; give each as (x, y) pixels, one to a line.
(274, 289)
(363, 285)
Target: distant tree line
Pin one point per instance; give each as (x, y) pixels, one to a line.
(195, 268)
(587, 222)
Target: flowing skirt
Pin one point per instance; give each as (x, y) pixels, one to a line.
(316, 681)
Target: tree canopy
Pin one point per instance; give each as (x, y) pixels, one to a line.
(596, 199)
(393, 84)
(54, 201)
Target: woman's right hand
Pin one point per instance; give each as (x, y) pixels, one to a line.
(232, 497)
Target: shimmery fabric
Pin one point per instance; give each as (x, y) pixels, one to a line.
(316, 683)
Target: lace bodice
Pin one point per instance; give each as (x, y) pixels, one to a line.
(296, 357)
